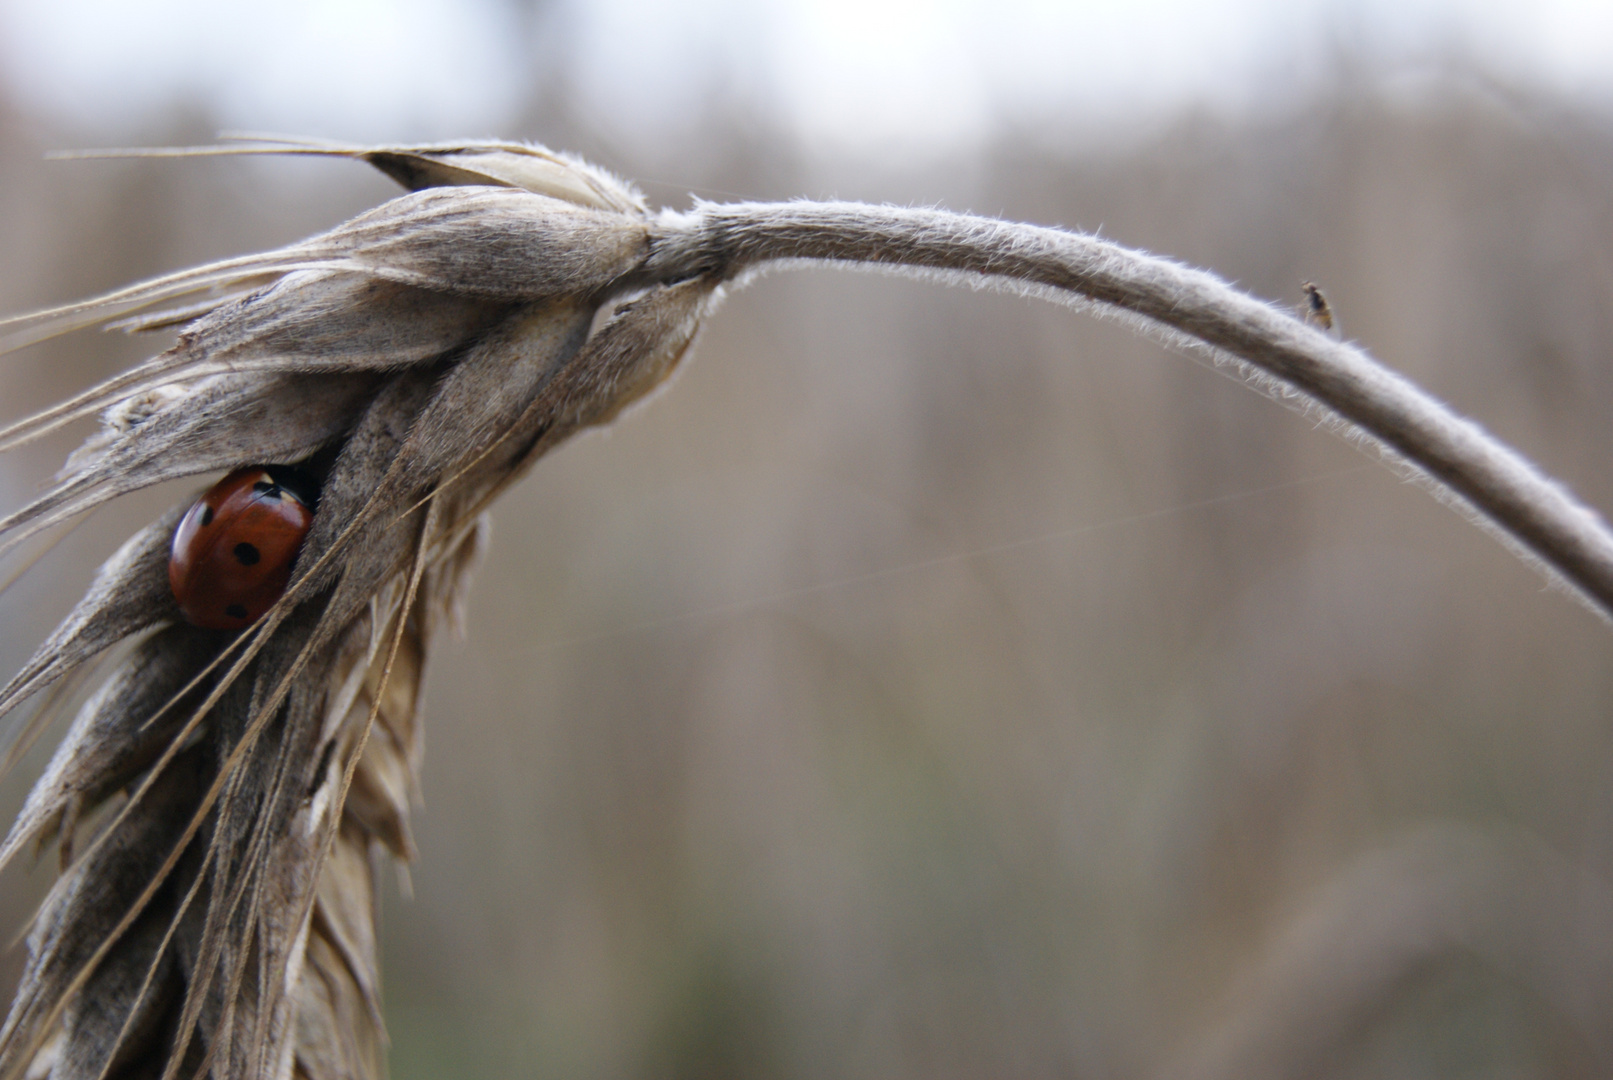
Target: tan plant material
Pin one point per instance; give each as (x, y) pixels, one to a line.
(216, 915)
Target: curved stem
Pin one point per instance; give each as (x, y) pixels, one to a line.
(1464, 464)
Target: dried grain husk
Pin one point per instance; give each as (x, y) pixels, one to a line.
(219, 920)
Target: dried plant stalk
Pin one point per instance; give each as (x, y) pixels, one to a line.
(416, 360)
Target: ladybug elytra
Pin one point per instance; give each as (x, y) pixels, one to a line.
(234, 550)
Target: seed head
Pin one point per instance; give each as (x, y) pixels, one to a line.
(414, 361)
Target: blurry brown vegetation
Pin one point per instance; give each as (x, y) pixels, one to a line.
(933, 683)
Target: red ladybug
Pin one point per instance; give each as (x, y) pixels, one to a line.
(234, 550)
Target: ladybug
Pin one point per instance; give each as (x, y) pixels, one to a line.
(234, 550)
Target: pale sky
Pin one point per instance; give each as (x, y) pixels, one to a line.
(867, 75)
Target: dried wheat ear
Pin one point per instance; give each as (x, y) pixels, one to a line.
(216, 915)
(415, 360)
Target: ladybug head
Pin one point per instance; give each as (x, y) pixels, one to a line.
(300, 482)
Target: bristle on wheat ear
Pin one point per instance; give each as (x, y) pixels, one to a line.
(415, 361)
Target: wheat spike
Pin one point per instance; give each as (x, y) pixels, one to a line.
(218, 921)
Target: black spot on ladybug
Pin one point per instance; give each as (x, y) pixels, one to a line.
(207, 516)
(246, 554)
(235, 611)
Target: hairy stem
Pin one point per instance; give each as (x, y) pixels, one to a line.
(1464, 464)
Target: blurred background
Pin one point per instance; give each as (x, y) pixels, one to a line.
(931, 683)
